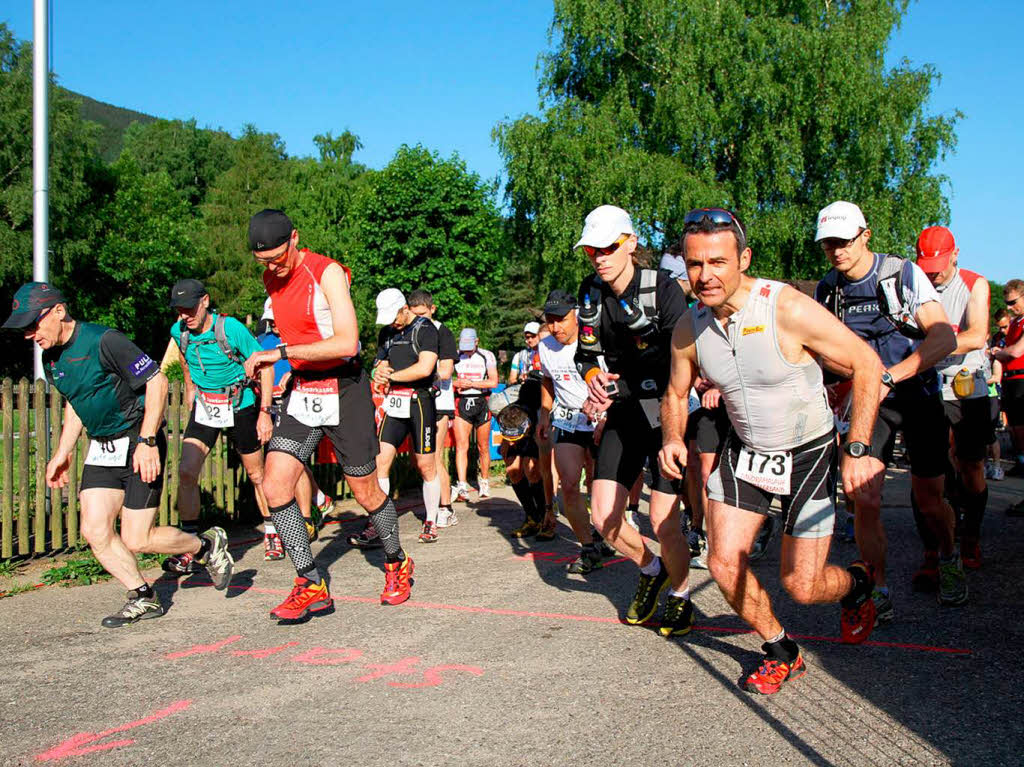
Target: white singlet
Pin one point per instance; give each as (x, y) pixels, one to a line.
(474, 366)
(557, 363)
(955, 296)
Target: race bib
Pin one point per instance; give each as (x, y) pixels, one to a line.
(652, 409)
(315, 403)
(769, 471)
(108, 452)
(397, 403)
(568, 419)
(214, 409)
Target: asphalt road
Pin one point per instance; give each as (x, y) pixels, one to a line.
(502, 658)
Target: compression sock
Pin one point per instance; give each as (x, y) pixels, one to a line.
(385, 521)
(522, 491)
(974, 511)
(539, 502)
(292, 529)
(432, 498)
(782, 648)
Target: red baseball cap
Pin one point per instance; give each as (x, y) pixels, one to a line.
(935, 246)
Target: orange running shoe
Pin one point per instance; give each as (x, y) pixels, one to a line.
(858, 615)
(397, 581)
(306, 597)
(773, 673)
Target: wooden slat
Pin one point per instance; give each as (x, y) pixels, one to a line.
(24, 435)
(174, 449)
(56, 496)
(7, 502)
(73, 526)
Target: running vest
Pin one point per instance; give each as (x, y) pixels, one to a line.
(772, 403)
(1015, 367)
(301, 312)
(558, 363)
(473, 366)
(955, 296)
(77, 373)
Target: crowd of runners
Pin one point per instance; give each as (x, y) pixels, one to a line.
(744, 405)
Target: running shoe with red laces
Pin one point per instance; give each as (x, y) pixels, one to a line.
(306, 597)
(773, 673)
(858, 614)
(367, 538)
(926, 577)
(397, 581)
(182, 564)
(272, 548)
(429, 534)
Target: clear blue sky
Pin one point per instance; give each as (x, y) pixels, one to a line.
(442, 74)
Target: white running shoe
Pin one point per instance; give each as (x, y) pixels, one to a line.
(997, 473)
(462, 492)
(485, 488)
(446, 518)
(631, 520)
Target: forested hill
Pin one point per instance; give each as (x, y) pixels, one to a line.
(113, 121)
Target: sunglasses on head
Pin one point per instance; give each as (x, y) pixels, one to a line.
(719, 216)
(590, 250)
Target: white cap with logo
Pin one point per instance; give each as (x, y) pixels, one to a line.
(389, 303)
(533, 328)
(604, 225)
(842, 220)
(467, 340)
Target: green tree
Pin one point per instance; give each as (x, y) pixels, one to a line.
(426, 222)
(771, 107)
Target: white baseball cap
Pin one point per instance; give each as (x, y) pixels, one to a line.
(389, 303)
(467, 340)
(674, 265)
(842, 220)
(533, 328)
(268, 310)
(604, 225)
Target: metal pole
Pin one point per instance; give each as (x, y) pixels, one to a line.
(40, 154)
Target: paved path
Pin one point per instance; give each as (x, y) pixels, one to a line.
(502, 658)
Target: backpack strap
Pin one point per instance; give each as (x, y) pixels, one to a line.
(648, 294)
(221, 335)
(184, 340)
(891, 301)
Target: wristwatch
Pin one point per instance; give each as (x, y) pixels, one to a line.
(268, 410)
(283, 348)
(888, 380)
(148, 441)
(856, 449)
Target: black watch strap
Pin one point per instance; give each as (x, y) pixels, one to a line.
(283, 348)
(857, 449)
(149, 441)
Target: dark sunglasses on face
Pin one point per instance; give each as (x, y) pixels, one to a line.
(1011, 303)
(34, 327)
(590, 250)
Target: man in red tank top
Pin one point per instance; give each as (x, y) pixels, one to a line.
(329, 396)
(1012, 357)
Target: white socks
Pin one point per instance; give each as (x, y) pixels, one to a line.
(432, 498)
(385, 485)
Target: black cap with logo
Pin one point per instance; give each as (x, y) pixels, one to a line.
(559, 303)
(187, 293)
(269, 229)
(31, 300)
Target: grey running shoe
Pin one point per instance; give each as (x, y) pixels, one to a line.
(952, 582)
(218, 563)
(885, 610)
(760, 547)
(698, 542)
(135, 609)
(589, 560)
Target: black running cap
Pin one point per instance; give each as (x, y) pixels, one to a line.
(187, 293)
(30, 301)
(269, 229)
(559, 303)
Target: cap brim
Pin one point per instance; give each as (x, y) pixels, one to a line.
(934, 264)
(466, 347)
(185, 304)
(597, 237)
(838, 232)
(21, 320)
(558, 310)
(386, 316)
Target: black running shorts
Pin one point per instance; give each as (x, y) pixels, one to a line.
(807, 512)
(421, 424)
(473, 408)
(137, 494)
(242, 435)
(925, 431)
(971, 422)
(707, 427)
(354, 438)
(628, 441)
(584, 439)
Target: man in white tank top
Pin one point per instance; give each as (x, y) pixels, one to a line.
(757, 341)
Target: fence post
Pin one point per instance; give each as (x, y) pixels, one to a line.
(174, 450)
(73, 496)
(39, 405)
(7, 506)
(56, 496)
(24, 505)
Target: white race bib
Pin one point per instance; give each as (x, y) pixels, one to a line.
(652, 409)
(315, 403)
(769, 471)
(568, 419)
(108, 452)
(214, 409)
(397, 403)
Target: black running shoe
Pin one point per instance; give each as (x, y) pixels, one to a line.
(589, 560)
(677, 617)
(648, 590)
(219, 562)
(135, 609)
(181, 564)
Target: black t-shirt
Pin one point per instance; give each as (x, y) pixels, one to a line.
(447, 348)
(642, 361)
(401, 348)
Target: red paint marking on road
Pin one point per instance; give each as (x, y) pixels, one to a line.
(264, 653)
(79, 744)
(325, 656)
(199, 649)
(404, 666)
(432, 676)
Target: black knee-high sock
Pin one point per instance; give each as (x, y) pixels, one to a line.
(931, 543)
(974, 510)
(385, 519)
(522, 491)
(539, 501)
(292, 530)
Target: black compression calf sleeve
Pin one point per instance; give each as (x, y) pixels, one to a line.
(974, 510)
(539, 501)
(385, 520)
(292, 530)
(522, 491)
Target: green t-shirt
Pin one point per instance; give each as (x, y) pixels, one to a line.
(211, 369)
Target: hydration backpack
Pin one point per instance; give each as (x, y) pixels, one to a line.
(218, 333)
(888, 291)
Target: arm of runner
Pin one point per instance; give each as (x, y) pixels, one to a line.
(547, 400)
(938, 342)
(445, 369)
(997, 373)
(975, 336)
(492, 374)
(422, 368)
(264, 423)
(146, 460)
(190, 387)
(675, 401)
(57, 468)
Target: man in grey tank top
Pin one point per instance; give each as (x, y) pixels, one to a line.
(758, 341)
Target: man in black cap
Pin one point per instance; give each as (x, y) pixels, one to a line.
(563, 395)
(211, 348)
(117, 393)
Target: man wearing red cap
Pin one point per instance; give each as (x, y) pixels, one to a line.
(963, 376)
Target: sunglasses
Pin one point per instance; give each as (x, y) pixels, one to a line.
(719, 216)
(590, 250)
(273, 260)
(35, 325)
(1012, 302)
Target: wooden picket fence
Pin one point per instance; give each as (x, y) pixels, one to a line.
(35, 520)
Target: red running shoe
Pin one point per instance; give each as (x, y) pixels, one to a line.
(397, 581)
(429, 534)
(272, 548)
(926, 577)
(970, 555)
(306, 597)
(858, 615)
(773, 673)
